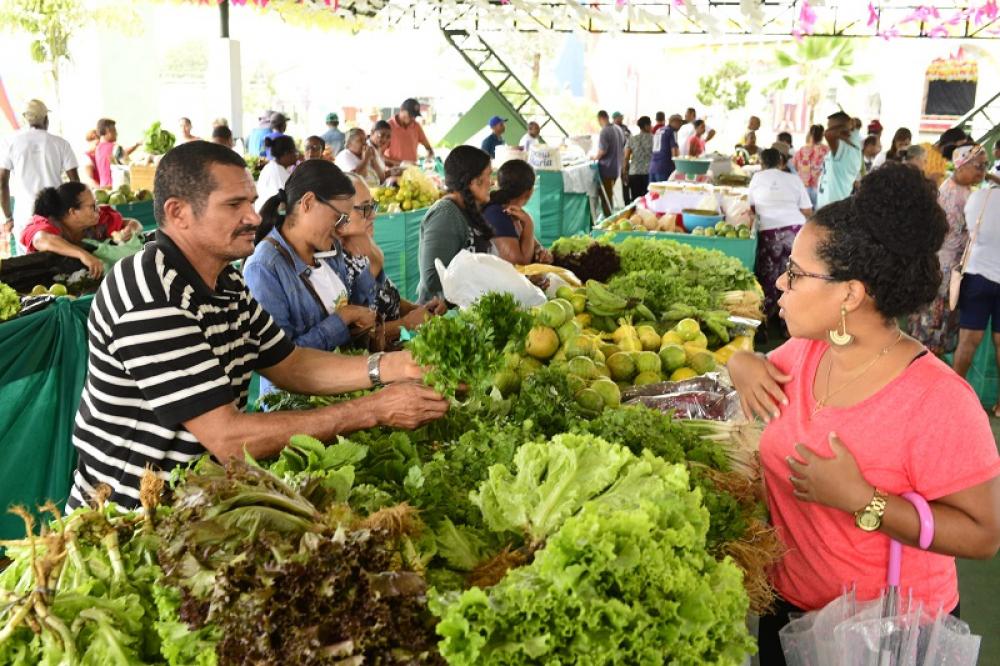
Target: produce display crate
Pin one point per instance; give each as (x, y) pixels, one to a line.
(743, 249)
(139, 210)
(141, 176)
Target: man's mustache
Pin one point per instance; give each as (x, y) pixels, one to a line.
(245, 228)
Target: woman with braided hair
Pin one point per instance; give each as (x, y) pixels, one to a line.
(456, 222)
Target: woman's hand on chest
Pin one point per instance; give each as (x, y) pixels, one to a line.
(835, 481)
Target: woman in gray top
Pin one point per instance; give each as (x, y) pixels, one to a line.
(455, 222)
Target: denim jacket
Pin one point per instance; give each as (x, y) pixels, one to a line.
(279, 289)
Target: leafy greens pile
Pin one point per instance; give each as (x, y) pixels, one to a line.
(10, 302)
(624, 575)
(469, 348)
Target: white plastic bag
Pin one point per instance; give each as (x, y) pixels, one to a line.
(469, 276)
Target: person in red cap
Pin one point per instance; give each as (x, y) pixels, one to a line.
(875, 128)
(407, 134)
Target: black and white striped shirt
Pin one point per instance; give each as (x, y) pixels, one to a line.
(164, 348)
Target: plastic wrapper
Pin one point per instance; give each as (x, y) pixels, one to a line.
(470, 276)
(846, 632)
(708, 397)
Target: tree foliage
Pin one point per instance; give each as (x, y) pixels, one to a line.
(727, 87)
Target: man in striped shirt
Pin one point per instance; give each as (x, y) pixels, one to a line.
(174, 336)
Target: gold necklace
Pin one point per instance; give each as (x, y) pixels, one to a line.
(821, 403)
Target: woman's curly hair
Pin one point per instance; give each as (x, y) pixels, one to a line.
(887, 236)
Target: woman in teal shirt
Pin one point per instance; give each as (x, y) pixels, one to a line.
(455, 222)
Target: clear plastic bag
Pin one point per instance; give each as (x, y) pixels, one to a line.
(708, 397)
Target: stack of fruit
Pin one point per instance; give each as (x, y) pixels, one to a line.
(414, 190)
(121, 196)
(723, 230)
(601, 361)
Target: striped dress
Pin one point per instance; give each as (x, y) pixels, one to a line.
(164, 349)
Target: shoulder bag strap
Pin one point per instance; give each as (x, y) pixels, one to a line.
(287, 257)
(975, 234)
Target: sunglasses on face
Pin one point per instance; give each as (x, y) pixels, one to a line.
(343, 218)
(793, 272)
(367, 210)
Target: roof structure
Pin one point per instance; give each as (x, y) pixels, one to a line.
(888, 19)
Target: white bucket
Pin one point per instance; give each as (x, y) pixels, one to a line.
(545, 158)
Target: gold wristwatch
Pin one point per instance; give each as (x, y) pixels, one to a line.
(869, 518)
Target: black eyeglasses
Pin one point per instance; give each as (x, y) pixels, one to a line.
(344, 217)
(793, 274)
(366, 210)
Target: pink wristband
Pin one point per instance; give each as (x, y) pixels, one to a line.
(926, 519)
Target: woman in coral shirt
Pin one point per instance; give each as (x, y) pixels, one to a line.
(858, 412)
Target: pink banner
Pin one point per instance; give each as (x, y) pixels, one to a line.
(8, 110)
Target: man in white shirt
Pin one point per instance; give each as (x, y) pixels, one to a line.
(687, 130)
(37, 160)
(532, 137)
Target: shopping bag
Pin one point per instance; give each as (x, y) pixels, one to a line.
(111, 253)
(470, 276)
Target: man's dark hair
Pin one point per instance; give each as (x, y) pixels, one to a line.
(602, 114)
(698, 123)
(786, 137)
(103, 125)
(660, 116)
(381, 125)
(317, 139)
(644, 122)
(222, 132)
(692, 111)
(870, 140)
(185, 173)
(839, 115)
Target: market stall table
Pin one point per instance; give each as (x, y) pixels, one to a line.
(42, 370)
(743, 249)
(563, 202)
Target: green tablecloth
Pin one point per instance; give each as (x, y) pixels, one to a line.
(43, 364)
(744, 250)
(140, 210)
(557, 213)
(398, 235)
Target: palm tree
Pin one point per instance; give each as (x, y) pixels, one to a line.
(815, 65)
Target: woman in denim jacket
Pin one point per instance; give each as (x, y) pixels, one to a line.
(298, 271)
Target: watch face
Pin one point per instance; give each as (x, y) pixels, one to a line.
(869, 521)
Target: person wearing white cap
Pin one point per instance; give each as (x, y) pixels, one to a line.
(37, 160)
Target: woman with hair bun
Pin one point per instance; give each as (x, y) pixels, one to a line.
(858, 413)
(513, 228)
(936, 325)
(64, 216)
(298, 271)
(455, 222)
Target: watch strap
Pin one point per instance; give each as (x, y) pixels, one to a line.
(876, 507)
(374, 369)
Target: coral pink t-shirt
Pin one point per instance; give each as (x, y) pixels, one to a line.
(103, 155)
(925, 432)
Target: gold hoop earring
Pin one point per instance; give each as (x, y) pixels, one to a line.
(840, 337)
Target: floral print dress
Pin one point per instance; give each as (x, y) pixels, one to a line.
(808, 163)
(936, 325)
